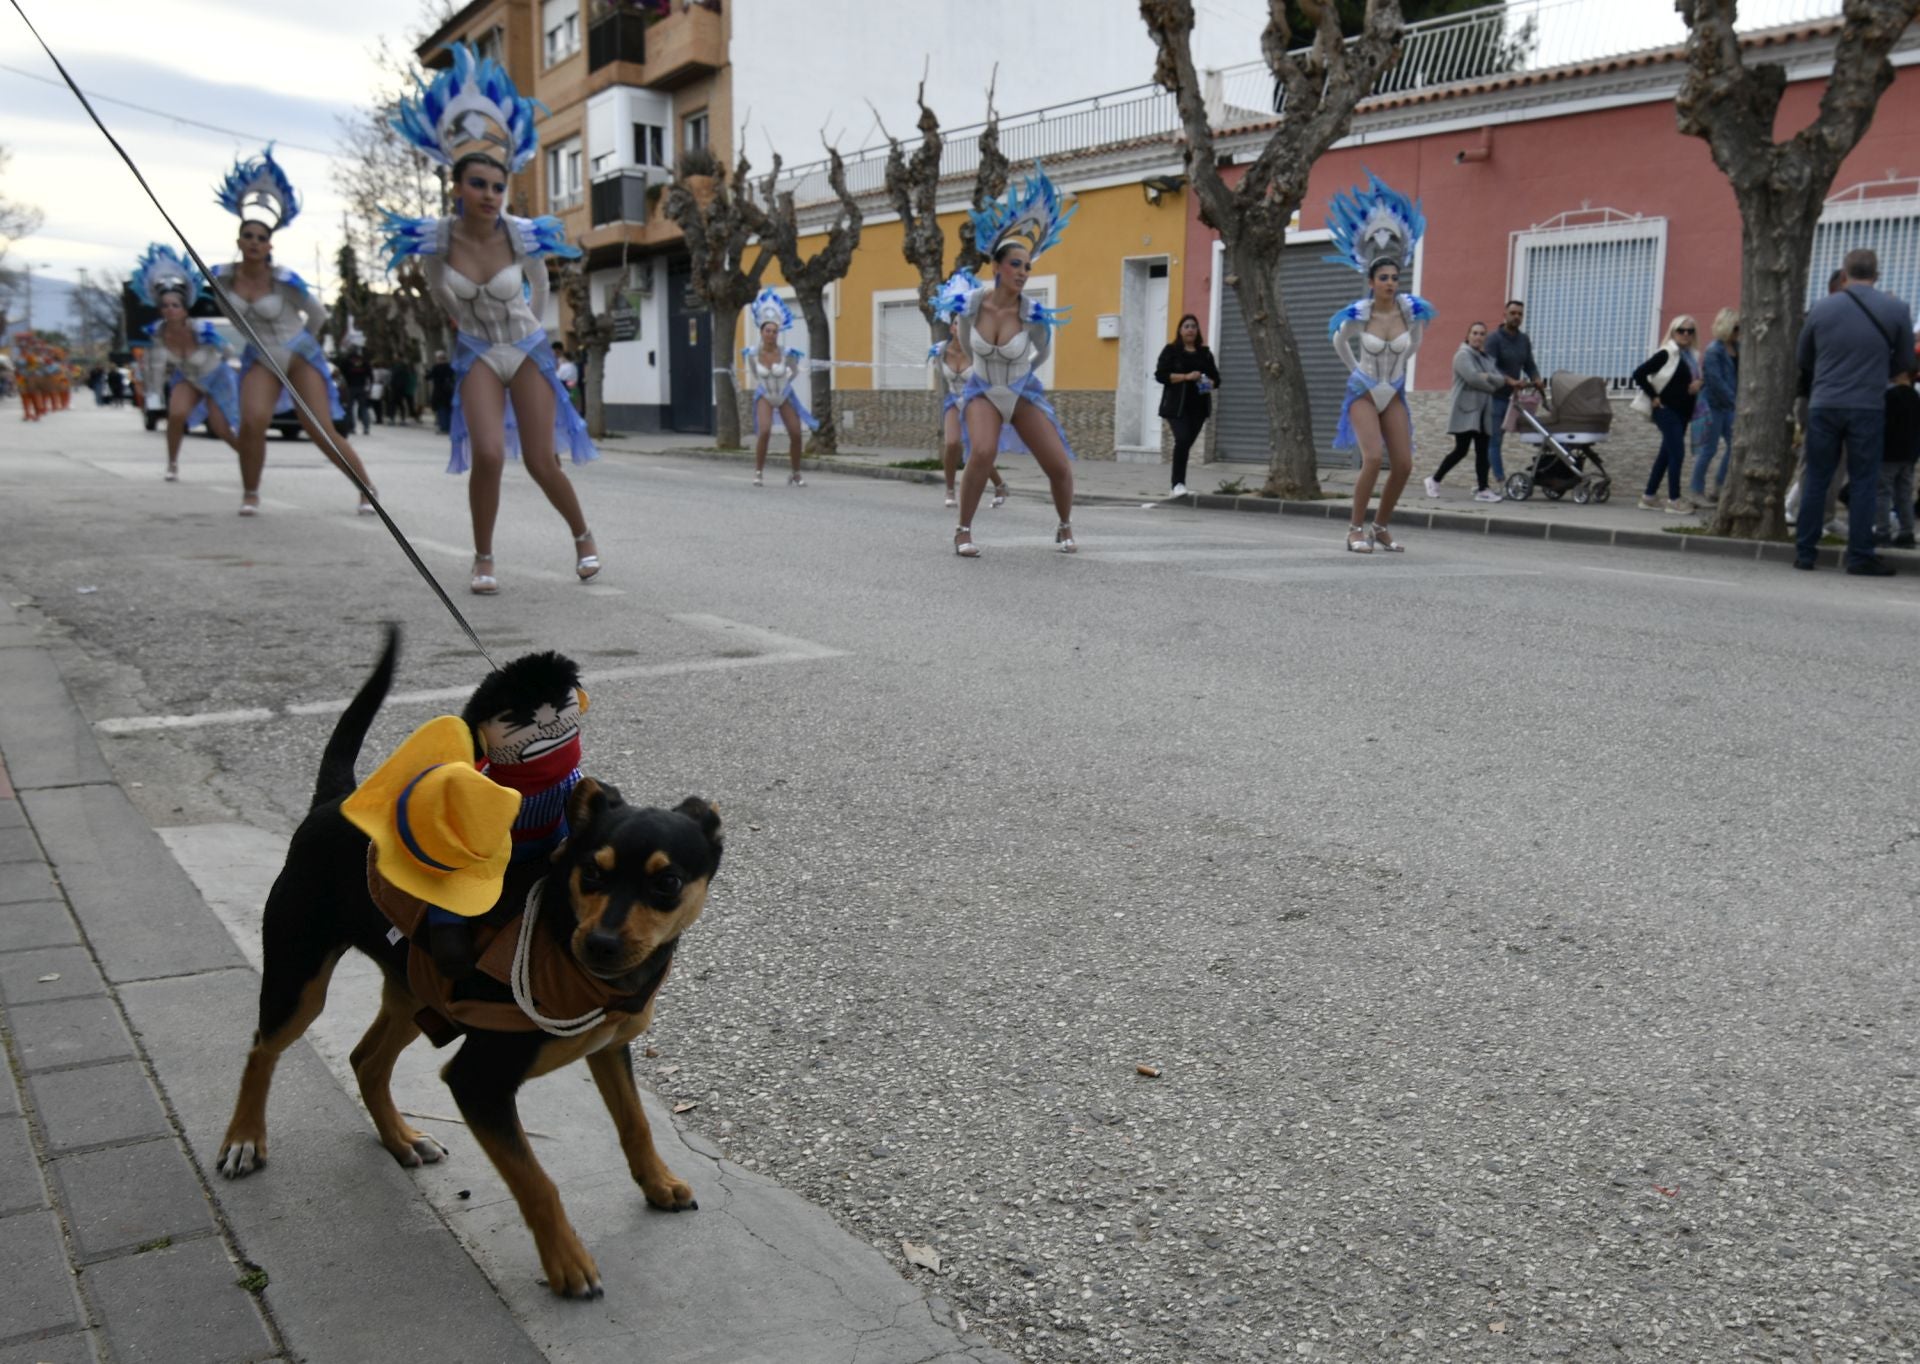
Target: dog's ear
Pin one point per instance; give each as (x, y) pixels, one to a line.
(588, 801)
(707, 818)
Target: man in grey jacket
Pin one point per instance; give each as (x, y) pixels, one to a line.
(1512, 352)
(1854, 343)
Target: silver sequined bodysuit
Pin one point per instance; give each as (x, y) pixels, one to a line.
(1375, 360)
(196, 366)
(1004, 367)
(772, 382)
(498, 312)
(278, 316)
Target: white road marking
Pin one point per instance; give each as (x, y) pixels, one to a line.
(771, 648)
(1669, 577)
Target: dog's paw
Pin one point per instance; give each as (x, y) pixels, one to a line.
(671, 1194)
(239, 1159)
(417, 1149)
(571, 1272)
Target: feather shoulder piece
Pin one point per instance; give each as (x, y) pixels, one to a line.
(401, 236)
(542, 236)
(950, 299)
(1358, 312)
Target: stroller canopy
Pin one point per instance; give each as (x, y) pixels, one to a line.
(1576, 402)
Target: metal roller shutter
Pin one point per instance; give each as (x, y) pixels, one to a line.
(1313, 291)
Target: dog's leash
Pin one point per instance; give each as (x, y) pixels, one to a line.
(331, 447)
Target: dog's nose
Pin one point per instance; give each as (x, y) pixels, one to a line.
(603, 946)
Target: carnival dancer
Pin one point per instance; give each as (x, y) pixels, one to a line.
(486, 268)
(951, 363)
(774, 372)
(1375, 230)
(62, 377)
(207, 389)
(287, 318)
(26, 372)
(1003, 405)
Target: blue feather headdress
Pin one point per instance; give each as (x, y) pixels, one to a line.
(161, 271)
(770, 307)
(1374, 224)
(258, 190)
(1032, 212)
(455, 110)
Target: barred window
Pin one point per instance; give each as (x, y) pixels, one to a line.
(1591, 281)
(1883, 217)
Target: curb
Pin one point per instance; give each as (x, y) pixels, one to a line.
(1562, 532)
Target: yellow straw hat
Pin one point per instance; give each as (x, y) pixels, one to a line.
(441, 831)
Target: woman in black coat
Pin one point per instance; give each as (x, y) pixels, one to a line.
(1669, 381)
(1187, 376)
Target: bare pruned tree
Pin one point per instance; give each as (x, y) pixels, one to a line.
(1781, 188)
(1321, 86)
(717, 225)
(913, 188)
(95, 309)
(588, 334)
(17, 220)
(777, 224)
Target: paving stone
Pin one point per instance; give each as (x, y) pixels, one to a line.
(21, 975)
(127, 1196)
(9, 1096)
(96, 1104)
(68, 1032)
(19, 845)
(45, 737)
(180, 1303)
(33, 1266)
(20, 1185)
(11, 815)
(26, 881)
(74, 1347)
(144, 917)
(36, 923)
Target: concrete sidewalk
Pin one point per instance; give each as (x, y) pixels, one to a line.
(1618, 521)
(126, 1004)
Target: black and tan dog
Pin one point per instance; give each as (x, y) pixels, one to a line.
(616, 897)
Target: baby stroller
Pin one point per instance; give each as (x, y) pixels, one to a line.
(1575, 418)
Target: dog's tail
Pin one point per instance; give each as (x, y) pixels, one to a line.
(337, 778)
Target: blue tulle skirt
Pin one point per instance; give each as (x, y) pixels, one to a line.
(569, 431)
(1031, 391)
(1343, 438)
(222, 389)
(793, 399)
(308, 349)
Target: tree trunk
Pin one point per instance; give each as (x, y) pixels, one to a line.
(1776, 240)
(1294, 467)
(726, 401)
(813, 307)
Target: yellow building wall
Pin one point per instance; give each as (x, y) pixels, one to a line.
(1110, 225)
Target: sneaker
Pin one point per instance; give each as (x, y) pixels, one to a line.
(1649, 503)
(1903, 542)
(1489, 495)
(1678, 506)
(1803, 563)
(1433, 487)
(1179, 490)
(1871, 568)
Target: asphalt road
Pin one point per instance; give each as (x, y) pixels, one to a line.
(1524, 935)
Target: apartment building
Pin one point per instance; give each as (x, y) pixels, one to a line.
(630, 86)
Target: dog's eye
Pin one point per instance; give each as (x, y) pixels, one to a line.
(669, 885)
(591, 881)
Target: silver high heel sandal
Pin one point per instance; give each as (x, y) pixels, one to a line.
(1362, 545)
(483, 584)
(1000, 492)
(1063, 538)
(1383, 538)
(968, 550)
(249, 504)
(587, 565)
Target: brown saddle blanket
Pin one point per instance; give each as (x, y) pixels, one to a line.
(559, 986)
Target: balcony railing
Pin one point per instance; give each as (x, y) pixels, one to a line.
(617, 37)
(1512, 38)
(620, 198)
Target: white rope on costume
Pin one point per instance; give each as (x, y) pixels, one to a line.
(518, 978)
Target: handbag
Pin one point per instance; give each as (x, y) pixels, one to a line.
(1643, 400)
